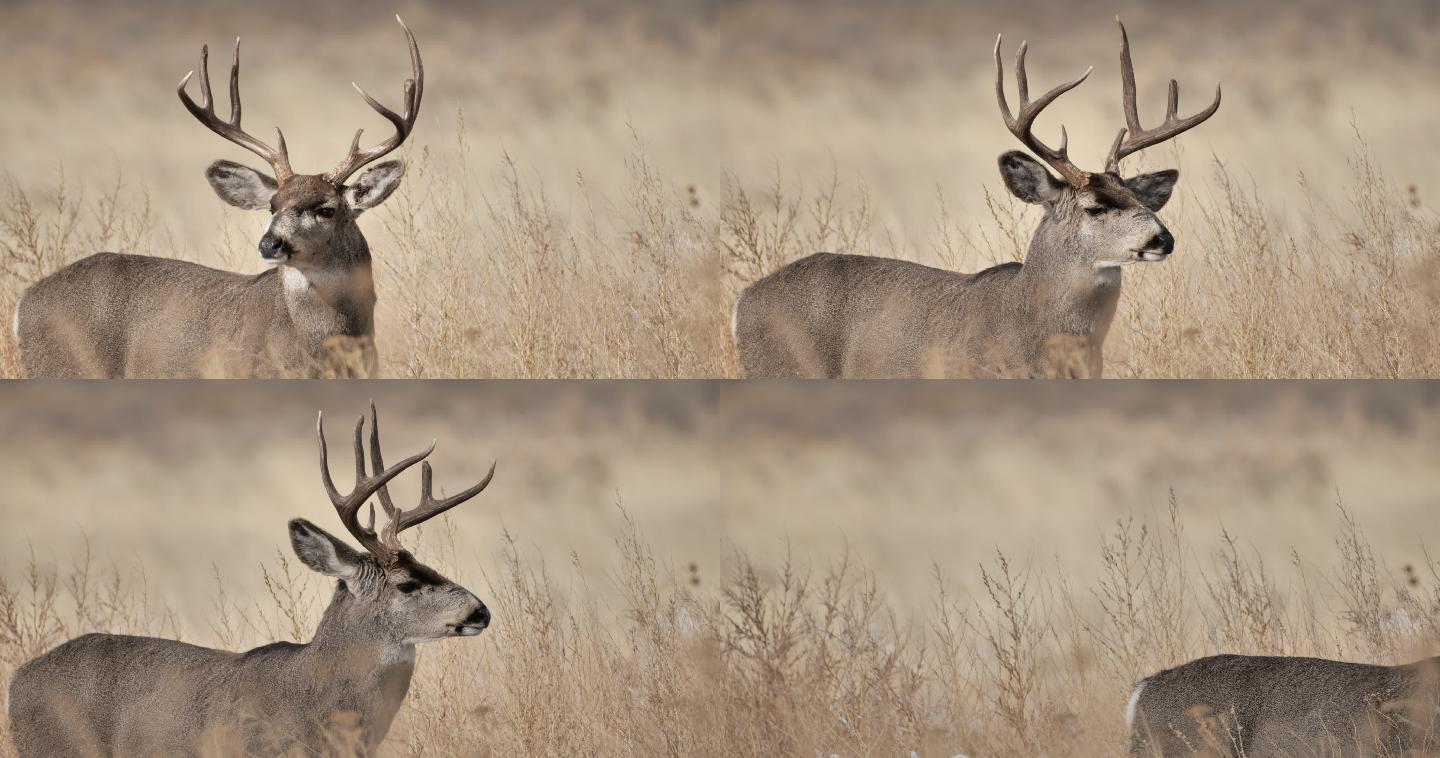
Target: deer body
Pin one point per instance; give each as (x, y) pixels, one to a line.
(282, 322)
(117, 695)
(1238, 705)
(263, 702)
(122, 316)
(843, 316)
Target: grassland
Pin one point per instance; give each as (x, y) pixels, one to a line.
(592, 183)
(706, 569)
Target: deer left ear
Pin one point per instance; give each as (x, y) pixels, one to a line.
(374, 185)
(1153, 190)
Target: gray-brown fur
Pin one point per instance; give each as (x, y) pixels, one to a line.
(842, 316)
(121, 316)
(106, 694)
(117, 695)
(1236, 705)
(858, 316)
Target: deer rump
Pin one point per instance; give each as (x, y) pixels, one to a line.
(1237, 705)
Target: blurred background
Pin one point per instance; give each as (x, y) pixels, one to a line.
(194, 479)
(897, 94)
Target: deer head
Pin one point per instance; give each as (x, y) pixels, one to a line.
(1097, 220)
(384, 590)
(312, 215)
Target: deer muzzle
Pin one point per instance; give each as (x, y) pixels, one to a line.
(1159, 247)
(475, 623)
(273, 248)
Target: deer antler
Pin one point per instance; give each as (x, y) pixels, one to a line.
(348, 506)
(279, 159)
(414, 89)
(400, 520)
(1022, 125)
(1132, 137)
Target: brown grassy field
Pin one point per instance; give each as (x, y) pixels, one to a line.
(759, 569)
(591, 183)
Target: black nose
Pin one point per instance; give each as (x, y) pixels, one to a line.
(1162, 242)
(479, 618)
(272, 247)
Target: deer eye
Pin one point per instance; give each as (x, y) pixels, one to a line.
(1095, 210)
(408, 587)
(326, 212)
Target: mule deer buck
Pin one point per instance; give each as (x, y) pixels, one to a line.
(830, 315)
(113, 315)
(1240, 705)
(110, 694)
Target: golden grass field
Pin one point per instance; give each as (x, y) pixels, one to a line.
(591, 183)
(978, 570)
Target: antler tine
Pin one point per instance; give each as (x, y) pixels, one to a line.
(234, 85)
(278, 158)
(1133, 138)
(377, 460)
(1127, 82)
(413, 91)
(1021, 124)
(348, 506)
(429, 507)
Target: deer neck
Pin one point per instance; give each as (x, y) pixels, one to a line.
(1067, 293)
(365, 671)
(337, 297)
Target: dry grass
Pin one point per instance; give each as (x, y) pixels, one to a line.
(786, 655)
(591, 185)
(853, 570)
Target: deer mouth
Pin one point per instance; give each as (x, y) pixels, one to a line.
(1152, 256)
(473, 624)
(1103, 265)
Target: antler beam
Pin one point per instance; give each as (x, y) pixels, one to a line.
(1133, 138)
(429, 507)
(1023, 123)
(414, 90)
(204, 112)
(348, 506)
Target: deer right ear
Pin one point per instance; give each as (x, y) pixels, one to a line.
(323, 553)
(1027, 179)
(241, 186)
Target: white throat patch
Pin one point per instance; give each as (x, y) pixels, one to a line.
(294, 279)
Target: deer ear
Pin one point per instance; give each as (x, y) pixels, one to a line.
(1153, 190)
(241, 186)
(323, 553)
(374, 185)
(1027, 179)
